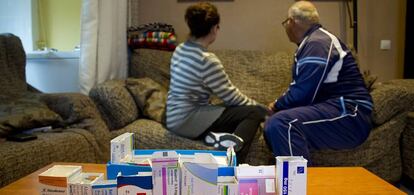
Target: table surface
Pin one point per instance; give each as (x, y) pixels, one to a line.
(321, 180)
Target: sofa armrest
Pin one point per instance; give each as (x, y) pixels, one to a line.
(389, 100)
(408, 86)
(79, 111)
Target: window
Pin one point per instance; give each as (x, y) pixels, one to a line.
(42, 24)
(16, 17)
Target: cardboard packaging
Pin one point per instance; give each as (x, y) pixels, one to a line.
(291, 174)
(199, 176)
(105, 187)
(83, 183)
(256, 180)
(121, 147)
(140, 184)
(166, 173)
(227, 183)
(112, 170)
(55, 180)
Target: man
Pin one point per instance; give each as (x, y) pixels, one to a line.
(327, 105)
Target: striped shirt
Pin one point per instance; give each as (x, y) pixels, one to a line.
(195, 75)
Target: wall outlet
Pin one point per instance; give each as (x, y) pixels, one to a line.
(385, 45)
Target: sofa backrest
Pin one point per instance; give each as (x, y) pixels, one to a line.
(12, 65)
(263, 76)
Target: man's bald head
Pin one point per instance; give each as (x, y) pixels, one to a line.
(304, 12)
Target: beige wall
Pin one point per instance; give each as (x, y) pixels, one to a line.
(382, 20)
(60, 23)
(255, 25)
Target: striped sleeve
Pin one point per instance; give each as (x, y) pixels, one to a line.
(216, 79)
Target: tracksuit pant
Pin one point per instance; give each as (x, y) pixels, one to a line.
(334, 124)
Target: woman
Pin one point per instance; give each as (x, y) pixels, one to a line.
(195, 75)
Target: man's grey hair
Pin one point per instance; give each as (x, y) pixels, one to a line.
(304, 12)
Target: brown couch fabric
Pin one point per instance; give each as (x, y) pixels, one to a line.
(83, 136)
(12, 65)
(115, 103)
(149, 96)
(23, 114)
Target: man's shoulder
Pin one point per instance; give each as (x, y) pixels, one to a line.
(320, 37)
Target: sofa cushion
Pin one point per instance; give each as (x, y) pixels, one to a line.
(389, 100)
(154, 64)
(261, 75)
(115, 103)
(12, 65)
(23, 114)
(19, 159)
(150, 97)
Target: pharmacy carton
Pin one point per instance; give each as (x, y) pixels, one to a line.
(55, 180)
(112, 170)
(165, 173)
(226, 181)
(83, 183)
(291, 173)
(105, 187)
(256, 180)
(121, 147)
(199, 176)
(140, 184)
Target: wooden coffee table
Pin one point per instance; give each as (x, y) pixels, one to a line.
(321, 180)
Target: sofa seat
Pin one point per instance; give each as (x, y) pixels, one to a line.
(149, 134)
(22, 158)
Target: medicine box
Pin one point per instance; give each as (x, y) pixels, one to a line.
(256, 180)
(55, 180)
(140, 184)
(291, 175)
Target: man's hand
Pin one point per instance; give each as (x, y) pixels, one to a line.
(271, 108)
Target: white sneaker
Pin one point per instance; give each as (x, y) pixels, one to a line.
(222, 141)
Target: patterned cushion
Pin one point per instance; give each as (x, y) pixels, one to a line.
(23, 114)
(115, 103)
(150, 96)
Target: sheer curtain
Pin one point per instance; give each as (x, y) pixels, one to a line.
(103, 42)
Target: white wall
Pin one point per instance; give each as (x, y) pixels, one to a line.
(18, 17)
(53, 72)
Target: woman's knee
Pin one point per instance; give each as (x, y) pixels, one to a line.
(257, 112)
